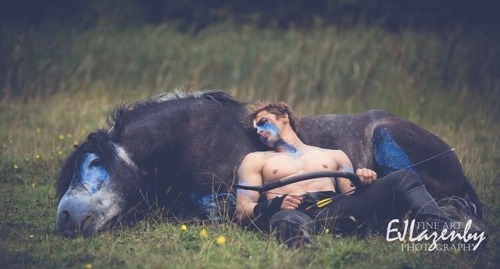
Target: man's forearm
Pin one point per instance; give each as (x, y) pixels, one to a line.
(247, 212)
(269, 207)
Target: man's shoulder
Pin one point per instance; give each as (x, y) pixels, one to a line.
(253, 161)
(256, 155)
(332, 151)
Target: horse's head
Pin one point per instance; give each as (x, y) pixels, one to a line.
(93, 185)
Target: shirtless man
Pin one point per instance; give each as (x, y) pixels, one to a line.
(296, 210)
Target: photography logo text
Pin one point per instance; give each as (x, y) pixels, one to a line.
(434, 236)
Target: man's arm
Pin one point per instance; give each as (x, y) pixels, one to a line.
(249, 173)
(344, 165)
(366, 176)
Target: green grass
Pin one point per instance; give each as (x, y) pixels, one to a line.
(59, 85)
(29, 240)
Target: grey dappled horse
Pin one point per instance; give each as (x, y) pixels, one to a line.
(179, 152)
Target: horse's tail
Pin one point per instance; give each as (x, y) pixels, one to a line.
(472, 200)
(460, 210)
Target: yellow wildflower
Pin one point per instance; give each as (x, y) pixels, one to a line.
(204, 233)
(220, 240)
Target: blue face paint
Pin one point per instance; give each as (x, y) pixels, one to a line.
(265, 126)
(389, 156)
(93, 173)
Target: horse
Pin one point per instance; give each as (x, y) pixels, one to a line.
(179, 152)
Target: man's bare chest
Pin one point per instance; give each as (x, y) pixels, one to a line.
(280, 165)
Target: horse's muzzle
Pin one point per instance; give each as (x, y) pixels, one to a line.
(69, 225)
(82, 214)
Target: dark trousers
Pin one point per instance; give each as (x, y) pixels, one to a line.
(387, 198)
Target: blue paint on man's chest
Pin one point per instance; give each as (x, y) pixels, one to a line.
(389, 156)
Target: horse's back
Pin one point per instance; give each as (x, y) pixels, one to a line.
(350, 133)
(386, 143)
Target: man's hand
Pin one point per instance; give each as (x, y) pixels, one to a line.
(366, 176)
(291, 201)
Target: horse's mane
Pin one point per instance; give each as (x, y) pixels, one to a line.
(116, 118)
(216, 95)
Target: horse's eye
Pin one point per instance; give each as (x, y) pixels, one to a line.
(96, 162)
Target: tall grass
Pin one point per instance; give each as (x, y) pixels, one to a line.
(293, 64)
(59, 84)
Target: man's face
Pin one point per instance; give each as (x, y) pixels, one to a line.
(267, 127)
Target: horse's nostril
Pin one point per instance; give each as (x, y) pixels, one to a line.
(88, 226)
(88, 221)
(65, 224)
(66, 218)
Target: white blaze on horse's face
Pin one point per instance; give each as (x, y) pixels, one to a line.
(91, 202)
(123, 155)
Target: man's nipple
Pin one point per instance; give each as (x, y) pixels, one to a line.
(325, 166)
(275, 171)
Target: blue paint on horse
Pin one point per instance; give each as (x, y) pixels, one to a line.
(93, 173)
(202, 199)
(210, 204)
(389, 156)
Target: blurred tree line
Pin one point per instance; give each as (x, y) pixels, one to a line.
(470, 28)
(196, 14)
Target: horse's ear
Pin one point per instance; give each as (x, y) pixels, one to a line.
(117, 121)
(65, 176)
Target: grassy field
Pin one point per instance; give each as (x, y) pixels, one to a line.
(60, 85)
